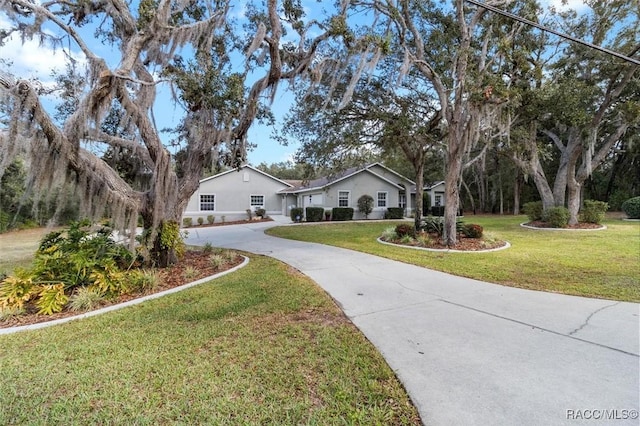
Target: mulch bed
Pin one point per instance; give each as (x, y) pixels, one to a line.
(168, 278)
(463, 244)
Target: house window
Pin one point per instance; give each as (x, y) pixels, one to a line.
(402, 201)
(438, 200)
(343, 198)
(257, 201)
(207, 202)
(382, 199)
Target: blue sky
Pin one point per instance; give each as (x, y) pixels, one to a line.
(36, 61)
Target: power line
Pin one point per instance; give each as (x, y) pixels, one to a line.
(542, 27)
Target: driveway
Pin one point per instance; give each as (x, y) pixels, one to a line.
(470, 352)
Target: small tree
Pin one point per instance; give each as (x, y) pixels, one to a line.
(365, 205)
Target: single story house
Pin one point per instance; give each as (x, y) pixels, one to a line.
(387, 188)
(232, 192)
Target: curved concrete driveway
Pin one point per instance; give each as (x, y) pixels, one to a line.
(469, 352)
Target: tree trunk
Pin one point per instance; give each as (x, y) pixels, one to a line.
(419, 169)
(517, 185)
(533, 167)
(451, 198)
(501, 194)
(574, 191)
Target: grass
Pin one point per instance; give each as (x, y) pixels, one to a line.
(602, 264)
(18, 247)
(263, 345)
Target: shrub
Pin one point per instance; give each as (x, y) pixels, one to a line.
(435, 225)
(171, 238)
(249, 214)
(365, 205)
(631, 207)
(405, 229)
(533, 210)
(314, 214)
(557, 217)
(229, 255)
(406, 239)
(211, 219)
(437, 211)
(51, 299)
(190, 273)
(9, 313)
(208, 248)
(593, 211)
(64, 261)
(217, 260)
(15, 291)
(394, 213)
(297, 214)
(389, 234)
(472, 230)
(424, 239)
(187, 222)
(200, 221)
(85, 299)
(342, 213)
(260, 212)
(143, 280)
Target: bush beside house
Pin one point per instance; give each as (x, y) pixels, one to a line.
(394, 213)
(297, 214)
(342, 213)
(314, 214)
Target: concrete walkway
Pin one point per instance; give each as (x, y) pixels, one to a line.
(470, 352)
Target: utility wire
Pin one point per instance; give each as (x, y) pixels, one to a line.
(543, 28)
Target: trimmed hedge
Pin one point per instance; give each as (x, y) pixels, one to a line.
(631, 207)
(314, 214)
(593, 211)
(394, 213)
(297, 214)
(437, 211)
(342, 213)
(533, 210)
(557, 217)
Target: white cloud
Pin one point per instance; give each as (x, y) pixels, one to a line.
(31, 59)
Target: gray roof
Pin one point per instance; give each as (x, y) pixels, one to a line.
(337, 177)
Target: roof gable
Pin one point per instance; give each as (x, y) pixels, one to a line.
(391, 171)
(323, 182)
(247, 166)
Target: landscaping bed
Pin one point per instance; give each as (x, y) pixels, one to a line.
(194, 265)
(463, 244)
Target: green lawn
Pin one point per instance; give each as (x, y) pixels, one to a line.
(263, 345)
(603, 264)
